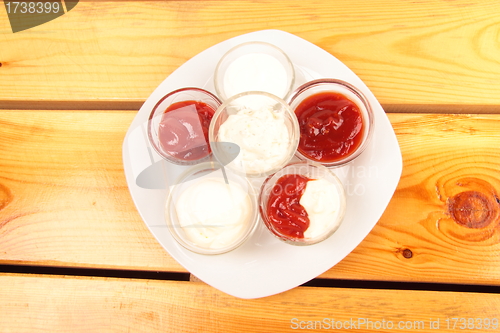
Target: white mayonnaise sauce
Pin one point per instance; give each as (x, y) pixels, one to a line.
(322, 202)
(262, 136)
(212, 213)
(255, 72)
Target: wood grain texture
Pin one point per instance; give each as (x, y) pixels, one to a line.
(63, 195)
(62, 304)
(421, 236)
(414, 55)
(64, 199)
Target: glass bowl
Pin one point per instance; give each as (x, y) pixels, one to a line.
(254, 134)
(340, 98)
(211, 210)
(178, 125)
(254, 66)
(324, 203)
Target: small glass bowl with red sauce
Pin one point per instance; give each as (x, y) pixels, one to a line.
(178, 125)
(303, 203)
(335, 120)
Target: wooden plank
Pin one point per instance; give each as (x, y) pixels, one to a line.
(61, 304)
(414, 56)
(64, 199)
(443, 222)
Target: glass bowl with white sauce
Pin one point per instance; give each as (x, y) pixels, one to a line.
(254, 66)
(302, 204)
(211, 210)
(254, 133)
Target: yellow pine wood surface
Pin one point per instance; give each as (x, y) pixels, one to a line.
(414, 55)
(62, 304)
(443, 222)
(64, 199)
(63, 195)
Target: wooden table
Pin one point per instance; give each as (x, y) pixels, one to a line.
(76, 257)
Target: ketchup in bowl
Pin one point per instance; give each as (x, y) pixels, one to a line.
(335, 121)
(284, 210)
(183, 130)
(331, 126)
(178, 125)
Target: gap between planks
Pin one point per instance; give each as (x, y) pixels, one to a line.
(135, 105)
(174, 276)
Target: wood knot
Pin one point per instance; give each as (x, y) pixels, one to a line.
(473, 209)
(5, 196)
(407, 253)
(0, 64)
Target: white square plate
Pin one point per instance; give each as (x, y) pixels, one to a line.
(264, 265)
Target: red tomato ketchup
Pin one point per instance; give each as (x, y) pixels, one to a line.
(331, 126)
(183, 130)
(284, 211)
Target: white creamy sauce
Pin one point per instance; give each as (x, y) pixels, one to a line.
(262, 136)
(255, 72)
(213, 214)
(322, 203)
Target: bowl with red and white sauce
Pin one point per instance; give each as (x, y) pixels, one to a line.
(303, 203)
